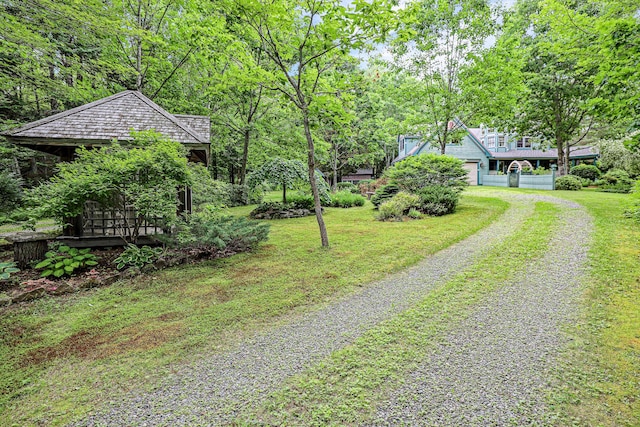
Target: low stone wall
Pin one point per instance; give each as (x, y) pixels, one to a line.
(538, 182)
(495, 180)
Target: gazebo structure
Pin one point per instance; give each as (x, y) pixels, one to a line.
(98, 124)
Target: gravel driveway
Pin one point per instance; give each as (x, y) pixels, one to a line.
(490, 371)
(214, 390)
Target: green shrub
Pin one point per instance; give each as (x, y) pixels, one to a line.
(7, 269)
(135, 256)
(438, 200)
(414, 214)
(398, 206)
(299, 201)
(346, 199)
(586, 182)
(416, 172)
(352, 188)
(616, 181)
(590, 172)
(568, 182)
(208, 234)
(542, 171)
(66, 261)
(384, 193)
(10, 192)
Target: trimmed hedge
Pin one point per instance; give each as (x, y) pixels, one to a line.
(569, 182)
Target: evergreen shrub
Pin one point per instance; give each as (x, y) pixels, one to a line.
(616, 181)
(438, 200)
(568, 182)
(590, 172)
(349, 187)
(384, 193)
(398, 206)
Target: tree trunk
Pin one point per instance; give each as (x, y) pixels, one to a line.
(334, 180)
(312, 179)
(284, 192)
(27, 251)
(245, 155)
(562, 169)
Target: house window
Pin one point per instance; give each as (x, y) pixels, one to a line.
(491, 141)
(501, 141)
(524, 142)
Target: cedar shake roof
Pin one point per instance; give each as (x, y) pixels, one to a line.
(113, 117)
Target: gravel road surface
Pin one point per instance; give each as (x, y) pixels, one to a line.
(213, 390)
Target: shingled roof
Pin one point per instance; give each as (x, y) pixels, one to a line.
(114, 117)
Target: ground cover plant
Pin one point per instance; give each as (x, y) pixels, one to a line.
(66, 356)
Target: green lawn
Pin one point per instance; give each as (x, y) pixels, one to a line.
(62, 357)
(599, 381)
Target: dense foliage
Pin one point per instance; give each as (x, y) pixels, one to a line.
(346, 199)
(143, 174)
(208, 234)
(590, 172)
(416, 172)
(568, 182)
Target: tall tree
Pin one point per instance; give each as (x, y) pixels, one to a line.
(439, 40)
(304, 40)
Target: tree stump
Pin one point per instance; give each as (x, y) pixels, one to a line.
(28, 248)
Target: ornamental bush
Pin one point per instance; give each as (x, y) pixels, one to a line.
(416, 172)
(616, 181)
(349, 187)
(143, 174)
(346, 199)
(399, 206)
(438, 200)
(590, 172)
(384, 193)
(207, 233)
(568, 182)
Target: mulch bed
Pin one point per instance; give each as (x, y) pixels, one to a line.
(28, 284)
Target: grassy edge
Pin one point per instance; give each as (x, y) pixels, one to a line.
(598, 380)
(344, 388)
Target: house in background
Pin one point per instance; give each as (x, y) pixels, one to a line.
(357, 176)
(98, 124)
(489, 152)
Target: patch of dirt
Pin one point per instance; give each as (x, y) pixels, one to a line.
(92, 345)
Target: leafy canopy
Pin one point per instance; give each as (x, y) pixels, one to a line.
(417, 172)
(144, 174)
(278, 171)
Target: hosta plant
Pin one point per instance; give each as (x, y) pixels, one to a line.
(66, 261)
(6, 269)
(134, 256)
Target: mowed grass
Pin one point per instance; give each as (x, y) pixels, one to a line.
(345, 388)
(63, 357)
(599, 379)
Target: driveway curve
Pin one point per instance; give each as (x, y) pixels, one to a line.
(214, 390)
